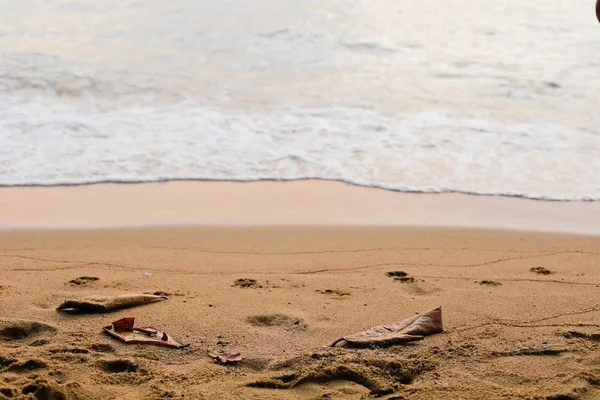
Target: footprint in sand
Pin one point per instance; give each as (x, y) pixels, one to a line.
(26, 366)
(400, 276)
(490, 283)
(42, 389)
(541, 271)
(119, 366)
(247, 283)
(334, 292)
(278, 320)
(17, 329)
(102, 348)
(83, 280)
(14, 365)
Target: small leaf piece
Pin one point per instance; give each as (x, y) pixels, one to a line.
(225, 358)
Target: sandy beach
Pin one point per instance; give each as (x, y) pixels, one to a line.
(509, 332)
(280, 181)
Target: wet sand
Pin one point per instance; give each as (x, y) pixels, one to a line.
(510, 332)
(300, 203)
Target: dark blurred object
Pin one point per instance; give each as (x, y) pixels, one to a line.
(598, 10)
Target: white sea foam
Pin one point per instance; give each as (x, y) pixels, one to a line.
(431, 151)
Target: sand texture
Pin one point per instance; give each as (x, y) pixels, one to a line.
(521, 313)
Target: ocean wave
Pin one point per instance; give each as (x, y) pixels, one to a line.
(433, 151)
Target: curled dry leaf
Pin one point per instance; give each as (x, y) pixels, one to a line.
(99, 304)
(225, 358)
(409, 330)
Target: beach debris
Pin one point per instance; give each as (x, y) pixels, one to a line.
(247, 283)
(125, 331)
(100, 304)
(83, 280)
(148, 274)
(541, 271)
(224, 357)
(400, 276)
(409, 330)
(490, 283)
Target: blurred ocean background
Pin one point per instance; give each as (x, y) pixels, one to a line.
(468, 96)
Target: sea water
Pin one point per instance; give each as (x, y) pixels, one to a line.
(464, 96)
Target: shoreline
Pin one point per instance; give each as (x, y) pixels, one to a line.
(292, 180)
(275, 203)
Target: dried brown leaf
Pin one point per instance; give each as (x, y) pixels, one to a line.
(409, 330)
(98, 304)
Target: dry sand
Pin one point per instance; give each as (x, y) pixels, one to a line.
(522, 335)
